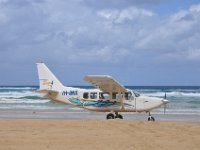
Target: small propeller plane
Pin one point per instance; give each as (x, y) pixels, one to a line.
(109, 96)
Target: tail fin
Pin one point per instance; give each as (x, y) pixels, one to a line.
(47, 79)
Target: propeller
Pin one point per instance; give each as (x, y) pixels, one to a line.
(165, 102)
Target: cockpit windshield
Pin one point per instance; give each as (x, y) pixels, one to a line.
(136, 94)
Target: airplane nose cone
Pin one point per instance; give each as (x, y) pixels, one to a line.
(165, 101)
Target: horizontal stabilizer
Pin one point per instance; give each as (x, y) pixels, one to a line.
(47, 91)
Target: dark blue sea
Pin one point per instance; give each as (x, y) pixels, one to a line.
(183, 99)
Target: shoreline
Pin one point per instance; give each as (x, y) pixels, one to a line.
(63, 114)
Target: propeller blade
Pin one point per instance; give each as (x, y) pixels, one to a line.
(165, 103)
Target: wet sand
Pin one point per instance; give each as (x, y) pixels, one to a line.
(86, 134)
(63, 114)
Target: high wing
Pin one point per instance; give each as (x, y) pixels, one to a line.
(105, 83)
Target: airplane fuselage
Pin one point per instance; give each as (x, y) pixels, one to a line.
(96, 100)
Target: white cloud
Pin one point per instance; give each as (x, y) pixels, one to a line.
(133, 14)
(128, 14)
(194, 54)
(86, 34)
(195, 8)
(175, 38)
(3, 18)
(103, 55)
(3, 1)
(108, 14)
(120, 34)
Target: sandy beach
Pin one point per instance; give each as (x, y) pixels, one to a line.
(62, 134)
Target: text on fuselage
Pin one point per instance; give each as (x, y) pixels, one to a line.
(71, 92)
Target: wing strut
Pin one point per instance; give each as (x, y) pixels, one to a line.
(121, 99)
(108, 84)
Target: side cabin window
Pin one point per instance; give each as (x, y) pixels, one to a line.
(136, 94)
(86, 95)
(103, 96)
(93, 95)
(128, 95)
(114, 95)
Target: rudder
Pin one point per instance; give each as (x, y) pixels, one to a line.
(47, 79)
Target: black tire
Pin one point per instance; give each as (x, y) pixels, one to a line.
(119, 116)
(110, 116)
(151, 118)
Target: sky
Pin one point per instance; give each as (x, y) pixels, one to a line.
(138, 42)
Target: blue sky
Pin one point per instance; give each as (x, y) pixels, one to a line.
(146, 42)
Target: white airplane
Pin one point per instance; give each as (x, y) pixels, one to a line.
(109, 95)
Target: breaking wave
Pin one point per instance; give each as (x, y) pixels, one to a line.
(175, 94)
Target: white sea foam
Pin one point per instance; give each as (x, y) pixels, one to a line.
(11, 97)
(177, 111)
(175, 94)
(18, 94)
(17, 88)
(19, 101)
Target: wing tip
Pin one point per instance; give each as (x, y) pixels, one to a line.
(90, 76)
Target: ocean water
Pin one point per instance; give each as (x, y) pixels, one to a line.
(183, 99)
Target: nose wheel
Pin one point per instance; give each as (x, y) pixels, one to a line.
(112, 116)
(150, 118)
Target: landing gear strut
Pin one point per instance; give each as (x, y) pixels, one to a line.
(112, 116)
(150, 118)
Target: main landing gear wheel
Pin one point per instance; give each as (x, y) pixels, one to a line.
(150, 118)
(117, 115)
(112, 116)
